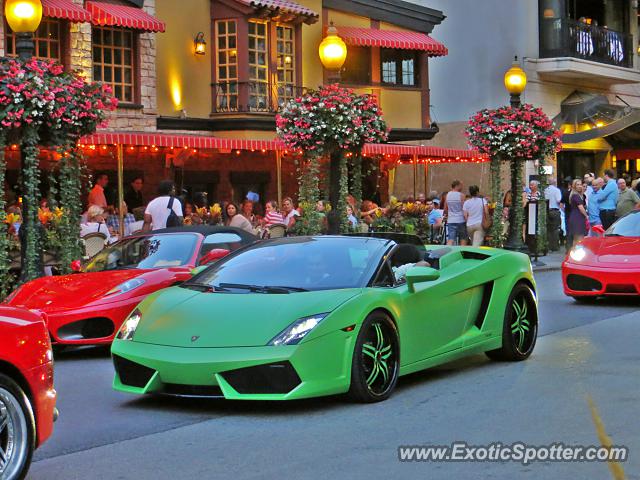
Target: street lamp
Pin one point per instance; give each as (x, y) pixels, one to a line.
(333, 53)
(24, 17)
(515, 81)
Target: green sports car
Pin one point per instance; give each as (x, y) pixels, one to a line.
(301, 317)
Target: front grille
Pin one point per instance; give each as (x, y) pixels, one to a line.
(278, 377)
(580, 283)
(621, 288)
(192, 390)
(131, 373)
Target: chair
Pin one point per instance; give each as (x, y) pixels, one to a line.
(94, 243)
(277, 230)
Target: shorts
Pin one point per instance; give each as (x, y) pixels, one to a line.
(457, 232)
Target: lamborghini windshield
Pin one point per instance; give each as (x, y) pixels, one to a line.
(295, 265)
(627, 226)
(150, 251)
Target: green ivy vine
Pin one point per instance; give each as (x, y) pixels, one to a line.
(32, 255)
(6, 280)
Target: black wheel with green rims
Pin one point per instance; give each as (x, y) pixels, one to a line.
(376, 360)
(520, 327)
(17, 430)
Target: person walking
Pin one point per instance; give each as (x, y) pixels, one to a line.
(578, 216)
(628, 199)
(456, 224)
(474, 210)
(554, 196)
(160, 208)
(608, 199)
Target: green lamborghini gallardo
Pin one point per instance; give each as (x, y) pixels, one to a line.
(301, 317)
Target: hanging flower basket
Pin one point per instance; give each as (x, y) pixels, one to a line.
(508, 133)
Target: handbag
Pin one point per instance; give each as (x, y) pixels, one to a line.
(173, 220)
(487, 220)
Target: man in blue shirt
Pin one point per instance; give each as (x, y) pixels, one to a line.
(593, 205)
(608, 199)
(433, 216)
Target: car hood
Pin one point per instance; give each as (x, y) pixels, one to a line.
(184, 318)
(622, 252)
(70, 291)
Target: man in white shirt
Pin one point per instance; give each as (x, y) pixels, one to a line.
(157, 212)
(554, 196)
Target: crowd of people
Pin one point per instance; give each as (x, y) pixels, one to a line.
(587, 203)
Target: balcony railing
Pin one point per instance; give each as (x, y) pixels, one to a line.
(563, 37)
(249, 97)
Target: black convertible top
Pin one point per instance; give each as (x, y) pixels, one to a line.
(205, 230)
(399, 238)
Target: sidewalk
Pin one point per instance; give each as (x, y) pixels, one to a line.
(552, 261)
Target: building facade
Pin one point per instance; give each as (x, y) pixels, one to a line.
(581, 59)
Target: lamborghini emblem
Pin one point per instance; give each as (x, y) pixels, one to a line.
(194, 338)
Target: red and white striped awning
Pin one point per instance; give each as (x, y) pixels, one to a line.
(109, 14)
(370, 37)
(65, 10)
(177, 141)
(285, 6)
(435, 154)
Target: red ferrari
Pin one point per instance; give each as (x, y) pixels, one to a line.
(605, 265)
(27, 396)
(88, 307)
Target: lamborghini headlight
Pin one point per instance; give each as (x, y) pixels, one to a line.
(578, 253)
(126, 286)
(294, 333)
(128, 328)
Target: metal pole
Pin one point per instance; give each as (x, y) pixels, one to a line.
(415, 176)
(426, 180)
(120, 149)
(279, 175)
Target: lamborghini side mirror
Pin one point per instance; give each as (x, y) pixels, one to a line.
(197, 270)
(417, 275)
(598, 230)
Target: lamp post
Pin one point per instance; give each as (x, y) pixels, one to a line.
(515, 81)
(24, 17)
(333, 53)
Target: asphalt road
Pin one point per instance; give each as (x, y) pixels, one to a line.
(585, 350)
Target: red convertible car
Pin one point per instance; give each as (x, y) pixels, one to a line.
(88, 307)
(605, 265)
(27, 396)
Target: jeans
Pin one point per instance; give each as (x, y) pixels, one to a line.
(607, 217)
(457, 232)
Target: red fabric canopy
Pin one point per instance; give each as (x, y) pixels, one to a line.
(369, 37)
(109, 14)
(194, 141)
(65, 10)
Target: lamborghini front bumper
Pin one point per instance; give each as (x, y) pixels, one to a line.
(318, 367)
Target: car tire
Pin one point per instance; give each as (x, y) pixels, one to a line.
(520, 326)
(17, 428)
(376, 360)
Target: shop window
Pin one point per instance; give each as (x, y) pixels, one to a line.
(113, 61)
(258, 66)
(399, 67)
(285, 49)
(48, 40)
(227, 64)
(357, 67)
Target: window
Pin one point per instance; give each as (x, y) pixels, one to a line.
(113, 61)
(285, 49)
(47, 39)
(227, 55)
(357, 67)
(399, 67)
(258, 67)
